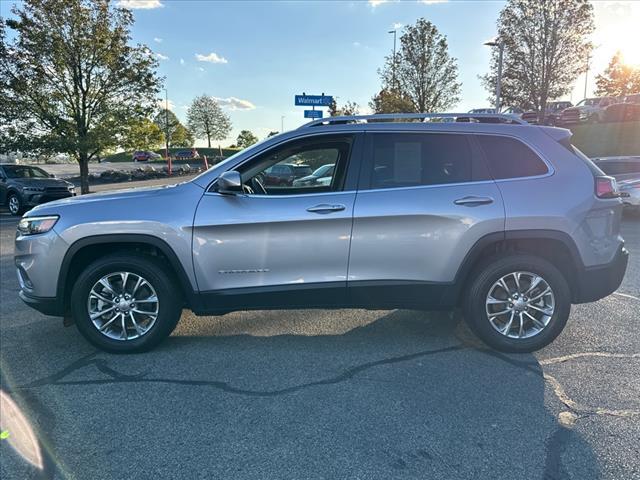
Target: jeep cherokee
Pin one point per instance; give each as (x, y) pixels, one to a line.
(506, 220)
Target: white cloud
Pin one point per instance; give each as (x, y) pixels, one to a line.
(157, 39)
(432, 2)
(211, 58)
(397, 25)
(161, 56)
(201, 69)
(233, 103)
(182, 61)
(356, 44)
(375, 3)
(140, 4)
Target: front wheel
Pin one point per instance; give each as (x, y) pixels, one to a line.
(125, 303)
(15, 204)
(517, 303)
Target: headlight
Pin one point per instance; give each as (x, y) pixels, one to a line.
(72, 188)
(34, 225)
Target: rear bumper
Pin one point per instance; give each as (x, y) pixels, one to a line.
(595, 283)
(47, 305)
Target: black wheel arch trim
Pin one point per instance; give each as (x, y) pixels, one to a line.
(473, 256)
(132, 238)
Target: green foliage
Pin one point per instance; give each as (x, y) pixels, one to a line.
(182, 137)
(422, 71)
(388, 101)
(350, 108)
(546, 46)
(142, 134)
(206, 119)
(607, 139)
(246, 139)
(618, 79)
(70, 80)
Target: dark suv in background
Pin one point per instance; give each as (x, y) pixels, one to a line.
(24, 186)
(285, 174)
(551, 114)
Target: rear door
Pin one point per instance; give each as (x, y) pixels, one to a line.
(424, 200)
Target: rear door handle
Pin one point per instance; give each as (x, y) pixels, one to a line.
(472, 201)
(326, 208)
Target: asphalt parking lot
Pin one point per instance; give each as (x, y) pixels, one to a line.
(325, 394)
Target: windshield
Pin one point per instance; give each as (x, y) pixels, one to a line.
(23, 171)
(323, 171)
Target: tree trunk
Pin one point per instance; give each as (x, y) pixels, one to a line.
(220, 150)
(209, 140)
(83, 160)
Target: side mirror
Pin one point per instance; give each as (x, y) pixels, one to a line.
(230, 183)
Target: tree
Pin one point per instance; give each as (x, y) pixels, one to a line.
(142, 134)
(546, 47)
(350, 108)
(618, 79)
(168, 123)
(182, 137)
(246, 139)
(422, 71)
(70, 79)
(206, 119)
(388, 101)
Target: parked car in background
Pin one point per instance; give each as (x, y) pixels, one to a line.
(24, 186)
(187, 154)
(621, 168)
(588, 110)
(482, 110)
(551, 114)
(284, 174)
(626, 111)
(325, 171)
(513, 111)
(145, 155)
(432, 216)
(632, 198)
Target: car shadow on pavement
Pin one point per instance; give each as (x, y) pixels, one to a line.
(305, 394)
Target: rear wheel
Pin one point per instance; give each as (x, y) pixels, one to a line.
(125, 303)
(517, 303)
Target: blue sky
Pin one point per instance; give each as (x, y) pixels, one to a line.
(256, 55)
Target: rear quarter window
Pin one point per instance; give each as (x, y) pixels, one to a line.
(510, 158)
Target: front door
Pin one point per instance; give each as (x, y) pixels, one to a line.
(282, 244)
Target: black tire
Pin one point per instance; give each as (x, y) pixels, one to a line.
(14, 197)
(474, 307)
(164, 284)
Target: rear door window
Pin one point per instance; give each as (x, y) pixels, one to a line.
(415, 159)
(508, 157)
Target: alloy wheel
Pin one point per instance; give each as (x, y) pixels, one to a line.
(520, 305)
(14, 205)
(123, 306)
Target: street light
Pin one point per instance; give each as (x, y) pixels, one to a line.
(393, 65)
(497, 42)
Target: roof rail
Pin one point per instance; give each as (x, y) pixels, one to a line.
(503, 118)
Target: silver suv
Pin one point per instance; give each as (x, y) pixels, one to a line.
(506, 220)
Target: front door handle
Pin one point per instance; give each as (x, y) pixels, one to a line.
(473, 201)
(326, 208)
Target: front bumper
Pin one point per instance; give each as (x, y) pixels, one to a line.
(595, 283)
(33, 199)
(46, 305)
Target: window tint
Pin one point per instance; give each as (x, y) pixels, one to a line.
(287, 170)
(402, 160)
(510, 158)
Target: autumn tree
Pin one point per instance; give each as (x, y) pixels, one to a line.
(546, 46)
(422, 73)
(349, 108)
(618, 79)
(207, 120)
(246, 139)
(71, 79)
(389, 101)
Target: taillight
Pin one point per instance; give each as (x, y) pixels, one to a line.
(606, 187)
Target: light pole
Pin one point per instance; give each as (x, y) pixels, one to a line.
(393, 64)
(282, 124)
(497, 42)
(586, 75)
(166, 129)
